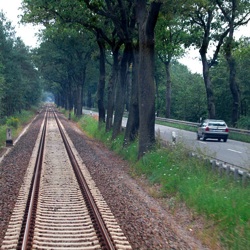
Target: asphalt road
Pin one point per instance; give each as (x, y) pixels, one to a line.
(232, 152)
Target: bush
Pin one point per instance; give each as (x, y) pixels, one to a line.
(12, 122)
(244, 122)
(16, 123)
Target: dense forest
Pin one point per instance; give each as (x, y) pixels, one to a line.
(123, 56)
(20, 86)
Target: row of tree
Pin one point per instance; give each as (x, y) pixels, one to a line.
(124, 35)
(19, 80)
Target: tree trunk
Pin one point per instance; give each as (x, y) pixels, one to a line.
(234, 90)
(79, 100)
(70, 94)
(208, 86)
(121, 90)
(101, 85)
(89, 99)
(75, 100)
(168, 89)
(232, 64)
(206, 27)
(132, 126)
(78, 93)
(111, 89)
(146, 24)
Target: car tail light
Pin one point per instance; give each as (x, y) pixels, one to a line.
(207, 129)
(226, 130)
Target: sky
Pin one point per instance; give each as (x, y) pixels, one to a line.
(27, 34)
(27, 31)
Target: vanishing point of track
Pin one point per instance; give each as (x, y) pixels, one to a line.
(59, 205)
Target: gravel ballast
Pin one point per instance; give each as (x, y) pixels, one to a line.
(143, 219)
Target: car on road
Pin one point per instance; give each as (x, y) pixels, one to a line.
(214, 129)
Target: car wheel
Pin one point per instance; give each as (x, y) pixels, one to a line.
(198, 137)
(219, 139)
(225, 139)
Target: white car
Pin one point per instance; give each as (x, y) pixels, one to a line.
(214, 129)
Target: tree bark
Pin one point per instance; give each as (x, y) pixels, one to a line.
(70, 94)
(231, 17)
(111, 88)
(121, 90)
(234, 88)
(206, 26)
(101, 84)
(208, 86)
(146, 24)
(79, 100)
(168, 89)
(132, 126)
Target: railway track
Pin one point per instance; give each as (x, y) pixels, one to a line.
(59, 205)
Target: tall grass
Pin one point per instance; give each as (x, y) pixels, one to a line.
(224, 203)
(3, 129)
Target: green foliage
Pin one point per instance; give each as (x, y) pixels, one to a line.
(12, 122)
(225, 203)
(187, 91)
(62, 61)
(244, 122)
(19, 81)
(242, 55)
(16, 122)
(89, 125)
(3, 129)
(93, 129)
(170, 36)
(220, 78)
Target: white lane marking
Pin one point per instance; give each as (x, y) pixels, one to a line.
(234, 151)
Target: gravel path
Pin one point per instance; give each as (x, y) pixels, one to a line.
(145, 222)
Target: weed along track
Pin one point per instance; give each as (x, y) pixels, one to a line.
(59, 205)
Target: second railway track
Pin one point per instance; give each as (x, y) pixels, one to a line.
(69, 211)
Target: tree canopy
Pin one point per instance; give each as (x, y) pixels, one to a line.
(123, 54)
(19, 80)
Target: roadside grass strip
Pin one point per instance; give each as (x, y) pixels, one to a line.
(224, 203)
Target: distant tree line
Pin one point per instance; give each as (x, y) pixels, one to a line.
(123, 54)
(19, 80)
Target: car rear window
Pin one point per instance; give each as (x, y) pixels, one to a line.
(217, 124)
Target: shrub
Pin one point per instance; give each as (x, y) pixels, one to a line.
(244, 122)
(12, 122)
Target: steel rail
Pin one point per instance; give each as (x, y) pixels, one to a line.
(26, 235)
(101, 229)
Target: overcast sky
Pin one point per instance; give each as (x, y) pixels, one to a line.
(27, 33)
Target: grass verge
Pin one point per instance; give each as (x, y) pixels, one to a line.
(16, 123)
(223, 202)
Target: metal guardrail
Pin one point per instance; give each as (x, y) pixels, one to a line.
(215, 163)
(226, 168)
(195, 124)
(229, 168)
